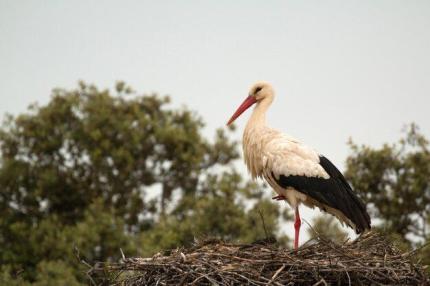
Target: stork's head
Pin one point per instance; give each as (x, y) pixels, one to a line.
(257, 93)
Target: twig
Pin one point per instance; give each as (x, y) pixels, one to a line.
(264, 224)
(276, 274)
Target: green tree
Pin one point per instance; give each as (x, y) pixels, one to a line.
(99, 170)
(395, 182)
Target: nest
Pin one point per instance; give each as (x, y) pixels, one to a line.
(369, 260)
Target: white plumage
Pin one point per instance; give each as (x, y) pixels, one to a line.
(295, 171)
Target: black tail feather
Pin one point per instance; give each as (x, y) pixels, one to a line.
(334, 193)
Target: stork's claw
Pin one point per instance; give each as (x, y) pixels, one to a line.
(279, 198)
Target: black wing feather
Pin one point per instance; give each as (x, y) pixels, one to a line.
(334, 192)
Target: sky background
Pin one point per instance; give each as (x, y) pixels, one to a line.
(341, 69)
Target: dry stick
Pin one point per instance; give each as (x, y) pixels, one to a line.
(349, 278)
(203, 276)
(313, 229)
(322, 281)
(264, 224)
(246, 278)
(276, 274)
(414, 251)
(122, 254)
(273, 282)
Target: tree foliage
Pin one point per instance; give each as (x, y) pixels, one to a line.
(395, 181)
(95, 170)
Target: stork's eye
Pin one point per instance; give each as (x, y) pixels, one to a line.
(258, 89)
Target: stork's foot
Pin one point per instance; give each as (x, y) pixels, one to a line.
(279, 198)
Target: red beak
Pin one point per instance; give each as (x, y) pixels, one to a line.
(250, 100)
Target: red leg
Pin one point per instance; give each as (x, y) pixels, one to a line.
(279, 198)
(297, 224)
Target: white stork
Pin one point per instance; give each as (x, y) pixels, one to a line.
(296, 172)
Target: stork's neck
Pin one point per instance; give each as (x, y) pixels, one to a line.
(258, 117)
(253, 136)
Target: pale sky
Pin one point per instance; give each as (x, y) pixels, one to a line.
(341, 69)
